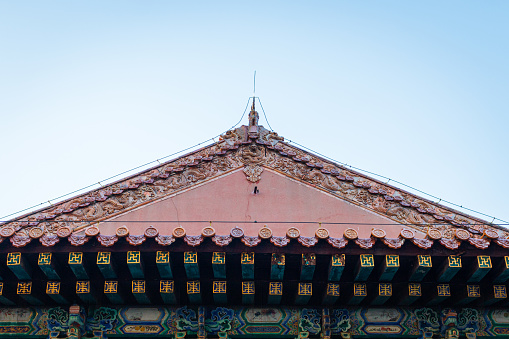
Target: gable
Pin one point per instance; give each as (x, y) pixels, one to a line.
(280, 202)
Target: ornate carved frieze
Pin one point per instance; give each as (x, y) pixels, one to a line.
(238, 150)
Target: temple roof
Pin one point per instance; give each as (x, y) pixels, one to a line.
(252, 152)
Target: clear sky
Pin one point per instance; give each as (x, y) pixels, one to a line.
(414, 90)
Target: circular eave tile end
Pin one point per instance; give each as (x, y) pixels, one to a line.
(208, 231)
(351, 234)
(407, 234)
(179, 232)
(122, 231)
(378, 233)
(322, 233)
(293, 233)
(434, 234)
(265, 233)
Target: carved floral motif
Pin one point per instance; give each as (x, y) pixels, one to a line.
(193, 240)
(253, 173)
(280, 241)
(222, 240)
(307, 241)
(165, 240)
(251, 241)
(451, 244)
(365, 243)
(78, 239)
(48, 240)
(20, 240)
(107, 240)
(394, 243)
(423, 243)
(135, 240)
(479, 243)
(337, 242)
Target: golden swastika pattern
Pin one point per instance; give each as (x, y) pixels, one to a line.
(103, 258)
(414, 290)
(385, 290)
(484, 261)
(499, 291)
(338, 260)
(133, 257)
(276, 288)
(190, 257)
(305, 289)
(13, 259)
(75, 258)
(424, 260)
(24, 287)
(110, 286)
(444, 290)
(162, 257)
(247, 258)
(44, 258)
(193, 287)
(53, 287)
(248, 287)
(166, 286)
(367, 260)
(138, 286)
(83, 286)
(219, 287)
(1, 288)
(218, 258)
(473, 291)
(392, 260)
(333, 289)
(360, 290)
(454, 261)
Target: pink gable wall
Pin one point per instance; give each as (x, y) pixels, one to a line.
(231, 198)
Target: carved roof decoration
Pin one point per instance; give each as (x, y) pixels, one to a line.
(251, 148)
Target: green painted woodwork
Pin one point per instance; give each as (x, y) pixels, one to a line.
(336, 267)
(413, 293)
(18, 265)
(481, 266)
(77, 264)
(364, 267)
(332, 294)
(47, 265)
(308, 264)
(391, 266)
(360, 291)
(247, 265)
(384, 293)
(422, 266)
(84, 292)
(304, 293)
(275, 292)
(53, 289)
(139, 290)
(135, 264)
(219, 291)
(163, 264)
(106, 265)
(191, 265)
(219, 265)
(167, 291)
(248, 292)
(277, 266)
(111, 291)
(194, 291)
(441, 293)
(449, 268)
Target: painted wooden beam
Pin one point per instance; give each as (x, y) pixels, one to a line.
(384, 293)
(77, 265)
(219, 291)
(248, 292)
(167, 290)
(194, 291)
(112, 292)
(468, 294)
(308, 264)
(364, 267)
(422, 266)
(105, 265)
(326, 329)
(139, 290)
(449, 268)
(480, 268)
(304, 293)
(331, 294)
(411, 294)
(84, 291)
(391, 266)
(247, 264)
(219, 265)
(275, 292)
(336, 267)
(4, 300)
(443, 292)
(201, 333)
(47, 265)
(135, 264)
(191, 265)
(360, 291)
(24, 290)
(502, 274)
(277, 266)
(17, 264)
(498, 293)
(53, 291)
(164, 265)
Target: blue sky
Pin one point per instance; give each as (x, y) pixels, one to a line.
(415, 91)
